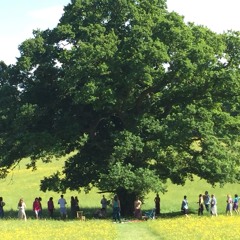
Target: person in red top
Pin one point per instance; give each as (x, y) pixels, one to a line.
(36, 207)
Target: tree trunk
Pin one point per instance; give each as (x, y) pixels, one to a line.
(127, 202)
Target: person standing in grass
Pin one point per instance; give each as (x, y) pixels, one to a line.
(50, 207)
(213, 202)
(235, 204)
(116, 209)
(137, 208)
(229, 205)
(36, 207)
(206, 199)
(63, 211)
(184, 206)
(40, 206)
(21, 210)
(104, 204)
(73, 207)
(2, 204)
(77, 204)
(157, 204)
(200, 205)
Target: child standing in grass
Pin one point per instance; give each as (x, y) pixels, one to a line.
(235, 203)
(184, 206)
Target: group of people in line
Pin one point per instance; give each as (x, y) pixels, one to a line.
(37, 207)
(205, 201)
(74, 202)
(209, 203)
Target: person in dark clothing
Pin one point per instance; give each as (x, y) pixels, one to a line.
(2, 204)
(157, 204)
(200, 204)
(50, 207)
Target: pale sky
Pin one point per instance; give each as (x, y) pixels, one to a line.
(19, 17)
(218, 15)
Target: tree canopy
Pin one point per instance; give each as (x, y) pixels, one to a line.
(136, 93)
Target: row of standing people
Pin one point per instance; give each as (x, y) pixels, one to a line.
(137, 207)
(208, 202)
(74, 205)
(116, 208)
(74, 202)
(37, 207)
(205, 201)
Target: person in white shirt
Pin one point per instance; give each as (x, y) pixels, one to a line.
(213, 205)
(62, 203)
(21, 210)
(184, 206)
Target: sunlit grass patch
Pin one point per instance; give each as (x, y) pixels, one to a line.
(194, 227)
(40, 229)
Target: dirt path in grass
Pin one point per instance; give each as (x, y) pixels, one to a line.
(135, 231)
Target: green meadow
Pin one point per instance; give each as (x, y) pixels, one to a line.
(24, 183)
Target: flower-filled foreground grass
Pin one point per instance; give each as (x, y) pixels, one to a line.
(194, 227)
(73, 230)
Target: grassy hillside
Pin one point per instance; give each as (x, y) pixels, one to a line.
(25, 183)
(171, 201)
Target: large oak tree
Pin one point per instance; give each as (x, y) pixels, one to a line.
(135, 93)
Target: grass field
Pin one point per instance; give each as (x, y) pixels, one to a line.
(170, 225)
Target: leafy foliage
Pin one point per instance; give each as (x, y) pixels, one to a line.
(138, 94)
